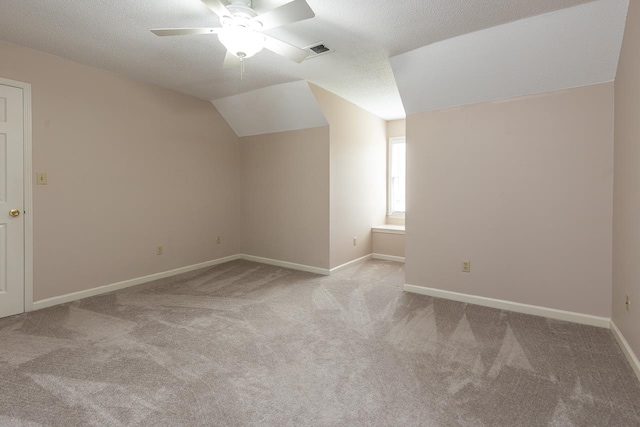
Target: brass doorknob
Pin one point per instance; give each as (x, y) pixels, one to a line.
(14, 212)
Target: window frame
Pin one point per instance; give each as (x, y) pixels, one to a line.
(390, 212)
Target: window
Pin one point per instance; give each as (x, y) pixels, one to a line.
(397, 176)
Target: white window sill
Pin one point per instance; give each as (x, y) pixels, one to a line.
(388, 229)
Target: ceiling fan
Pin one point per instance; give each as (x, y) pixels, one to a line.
(241, 31)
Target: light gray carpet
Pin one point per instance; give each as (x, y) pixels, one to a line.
(249, 344)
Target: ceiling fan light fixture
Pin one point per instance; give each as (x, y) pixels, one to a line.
(241, 29)
(242, 42)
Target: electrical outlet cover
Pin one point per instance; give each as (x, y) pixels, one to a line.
(466, 266)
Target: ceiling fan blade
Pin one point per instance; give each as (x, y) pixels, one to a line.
(231, 61)
(184, 31)
(217, 7)
(297, 10)
(285, 49)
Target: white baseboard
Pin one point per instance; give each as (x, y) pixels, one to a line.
(552, 313)
(626, 349)
(286, 264)
(302, 267)
(49, 302)
(388, 257)
(334, 270)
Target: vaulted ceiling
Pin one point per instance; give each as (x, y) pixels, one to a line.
(114, 35)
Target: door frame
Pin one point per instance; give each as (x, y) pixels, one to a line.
(28, 190)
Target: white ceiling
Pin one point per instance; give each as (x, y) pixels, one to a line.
(114, 35)
(277, 108)
(572, 47)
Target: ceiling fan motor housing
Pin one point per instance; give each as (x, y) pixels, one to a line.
(242, 15)
(245, 3)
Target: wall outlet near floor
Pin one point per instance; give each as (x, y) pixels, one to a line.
(355, 241)
(466, 266)
(159, 250)
(627, 303)
(218, 240)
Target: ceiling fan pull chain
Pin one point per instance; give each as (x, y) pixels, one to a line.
(241, 56)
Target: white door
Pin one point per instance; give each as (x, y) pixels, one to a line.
(11, 201)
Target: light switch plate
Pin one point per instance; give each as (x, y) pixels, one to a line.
(41, 178)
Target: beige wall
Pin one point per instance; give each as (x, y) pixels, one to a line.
(626, 207)
(523, 189)
(306, 194)
(285, 196)
(389, 244)
(130, 166)
(396, 128)
(395, 221)
(358, 181)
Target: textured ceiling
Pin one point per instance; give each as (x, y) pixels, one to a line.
(114, 35)
(572, 47)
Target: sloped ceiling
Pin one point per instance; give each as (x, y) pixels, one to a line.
(564, 49)
(114, 35)
(278, 108)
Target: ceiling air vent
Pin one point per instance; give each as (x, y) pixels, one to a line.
(318, 49)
